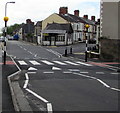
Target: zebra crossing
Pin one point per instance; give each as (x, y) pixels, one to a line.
(51, 63)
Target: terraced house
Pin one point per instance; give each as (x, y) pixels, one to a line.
(63, 35)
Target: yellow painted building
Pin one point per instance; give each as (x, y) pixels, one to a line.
(54, 18)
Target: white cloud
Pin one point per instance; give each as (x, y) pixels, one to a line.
(40, 9)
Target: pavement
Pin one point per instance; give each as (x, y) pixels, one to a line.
(7, 104)
(95, 61)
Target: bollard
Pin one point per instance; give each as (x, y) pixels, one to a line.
(71, 50)
(66, 52)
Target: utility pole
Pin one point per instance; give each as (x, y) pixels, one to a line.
(5, 19)
(86, 34)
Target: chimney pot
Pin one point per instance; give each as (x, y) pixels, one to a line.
(63, 10)
(85, 16)
(76, 12)
(93, 18)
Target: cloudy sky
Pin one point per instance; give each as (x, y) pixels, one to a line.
(37, 10)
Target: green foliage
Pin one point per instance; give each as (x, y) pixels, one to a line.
(13, 28)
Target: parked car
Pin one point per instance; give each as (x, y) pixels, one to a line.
(92, 41)
(10, 38)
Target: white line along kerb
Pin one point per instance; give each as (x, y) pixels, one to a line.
(26, 81)
(49, 105)
(94, 78)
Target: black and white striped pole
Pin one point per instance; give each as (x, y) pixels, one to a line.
(86, 34)
(5, 19)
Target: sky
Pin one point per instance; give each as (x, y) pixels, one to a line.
(38, 10)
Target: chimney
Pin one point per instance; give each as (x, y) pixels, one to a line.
(98, 20)
(85, 16)
(76, 12)
(93, 18)
(28, 21)
(63, 10)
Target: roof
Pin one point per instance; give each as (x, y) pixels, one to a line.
(58, 28)
(74, 18)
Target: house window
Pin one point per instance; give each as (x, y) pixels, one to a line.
(60, 38)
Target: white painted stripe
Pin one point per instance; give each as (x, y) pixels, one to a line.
(100, 73)
(84, 63)
(56, 68)
(103, 83)
(74, 70)
(84, 72)
(22, 62)
(36, 95)
(26, 75)
(61, 63)
(115, 73)
(49, 72)
(25, 49)
(47, 62)
(34, 62)
(85, 75)
(26, 83)
(106, 85)
(71, 63)
(115, 89)
(31, 72)
(49, 107)
(67, 72)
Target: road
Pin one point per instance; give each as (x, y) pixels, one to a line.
(57, 83)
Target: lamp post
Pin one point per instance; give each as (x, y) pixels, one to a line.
(5, 19)
(86, 34)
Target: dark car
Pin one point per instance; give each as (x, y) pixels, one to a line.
(92, 41)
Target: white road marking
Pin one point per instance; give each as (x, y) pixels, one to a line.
(48, 72)
(26, 75)
(49, 107)
(36, 95)
(31, 72)
(67, 72)
(71, 63)
(25, 49)
(73, 69)
(32, 68)
(115, 89)
(47, 62)
(34, 62)
(35, 55)
(114, 73)
(56, 68)
(84, 63)
(22, 62)
(61, 63)
(26, 81)
(84, 72)
(100, 73)
(103, 83)
(54, 52)
(30, 52)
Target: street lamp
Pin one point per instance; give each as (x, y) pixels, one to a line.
(86, 26)
(5, 19)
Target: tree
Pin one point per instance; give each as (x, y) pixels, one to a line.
(11, 29)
